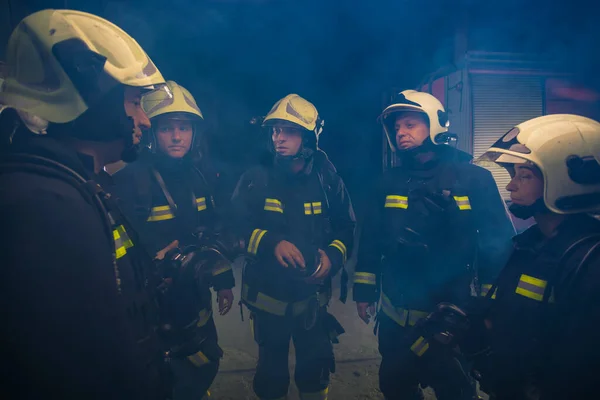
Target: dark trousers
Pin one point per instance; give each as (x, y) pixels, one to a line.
(402, 373)
(192, 381)
(314, 354)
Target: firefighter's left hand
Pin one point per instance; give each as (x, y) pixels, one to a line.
(325, 268)
(225, 299)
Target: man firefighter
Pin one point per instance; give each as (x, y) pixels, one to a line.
(298, 224)
(543, 317)
(79, 320)
(436, 230)
(167, 198)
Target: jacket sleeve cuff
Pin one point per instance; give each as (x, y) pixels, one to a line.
(263, 242)
(337, 254)
(222, 276)
(365, 293)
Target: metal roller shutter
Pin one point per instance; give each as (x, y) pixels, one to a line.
(499, 103)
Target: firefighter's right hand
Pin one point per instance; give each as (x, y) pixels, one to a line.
(365, 311)
(287, 254)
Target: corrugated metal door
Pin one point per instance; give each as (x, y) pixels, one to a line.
(499, 103)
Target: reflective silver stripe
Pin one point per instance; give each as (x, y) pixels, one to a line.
(160, 213)
(122, 241)
(307, 209)
(338, 244)
(199, 359)
(396, 201)
(201, 203)
(273, 205)
(388, 309)
(255, 239)
(531, 287)
(203, 317)
(365, 278)
(414, 316)
(277, 307)
(420, 346)
(462, 202)
(316, 207)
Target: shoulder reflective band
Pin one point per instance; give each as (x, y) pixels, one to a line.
(340, 246)
(273, 205)
(201, 203)
(395, 201)
(531, 287)
(462, 202)
(221, 268)
(160, 213)
(255, 239)
(203, 317)
(122, 241)
(420, 346)
(320, 395)
(365, 278)
(198, 359)
(485, 289)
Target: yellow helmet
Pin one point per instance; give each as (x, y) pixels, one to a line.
(298, 111)
(566, 149)
(62, 61)
(176, 100)
(411, 100)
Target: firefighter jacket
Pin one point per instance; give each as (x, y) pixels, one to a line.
(310, 209)
(545, 313)
(429, 230)
(169, 199)
(79, 320)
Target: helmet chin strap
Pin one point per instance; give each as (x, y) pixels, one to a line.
(526, 212)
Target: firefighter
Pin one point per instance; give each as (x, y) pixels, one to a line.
(544, 307)
(297, 221)
(79, 320)
(436, 231)
(167, 198)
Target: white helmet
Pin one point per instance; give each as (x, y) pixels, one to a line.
(566, 149)
(411, 100)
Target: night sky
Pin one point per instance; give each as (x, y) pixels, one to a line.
(239, 57)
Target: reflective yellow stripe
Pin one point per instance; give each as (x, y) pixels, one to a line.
(273, 205)
(531, 287)
(221, 268)
(395, 201)
(414, 316)
(201, 203)
(462, 202)
(307, 209)
(340, 246)
(203, 317)
(389, 310)
(420, 346)
(321, 395)
(122, 241)
(277, 307)
(198, 359)
(160, 213)
(366, 278)
(401, 315)
(255, 239)
(316, 207)
(485, 289)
